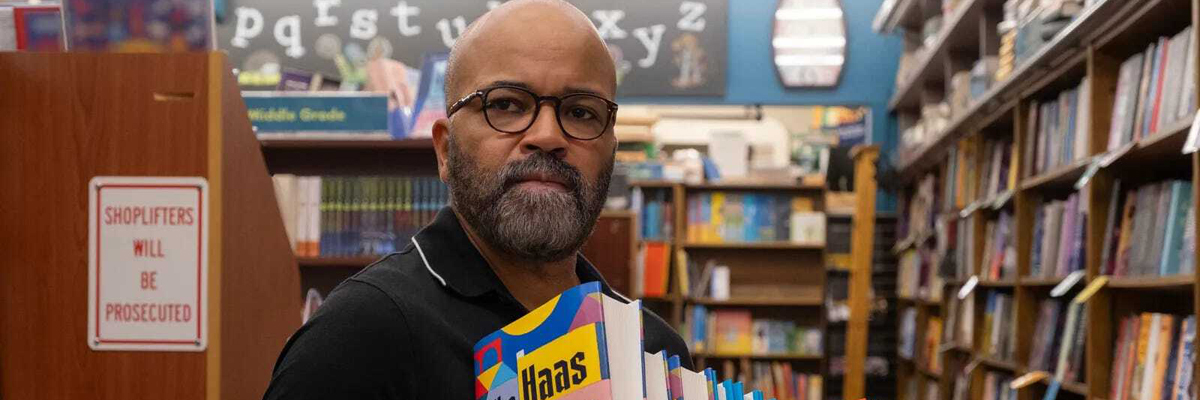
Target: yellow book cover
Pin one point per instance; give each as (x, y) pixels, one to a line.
(1013, 162)
(1143, 342)
(715, 218)
(1166, 322)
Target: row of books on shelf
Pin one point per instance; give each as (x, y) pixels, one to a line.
(1155, 89)
(918, 276)
(1058, 237)
(31, 27)
(655, 213)
(777, 380)
(1154, 357)
(734, 331)
(722, 217)
(356, 215)
(999, 329)
(1058, 339)
(585, 344)
(998, 386)
(999, 248)
(1060, 128)
(1150, 230)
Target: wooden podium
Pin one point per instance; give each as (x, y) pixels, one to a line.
(66, 118)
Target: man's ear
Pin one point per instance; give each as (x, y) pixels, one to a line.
(441, 146)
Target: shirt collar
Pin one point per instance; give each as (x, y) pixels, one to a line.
(453, 260)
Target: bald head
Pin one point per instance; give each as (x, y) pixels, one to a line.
(519, 34)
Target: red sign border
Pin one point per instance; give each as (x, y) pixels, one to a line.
(199, 263)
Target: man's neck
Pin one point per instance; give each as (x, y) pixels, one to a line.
(530, 284)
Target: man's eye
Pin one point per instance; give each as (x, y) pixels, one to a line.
(581, 113)
(506, 105)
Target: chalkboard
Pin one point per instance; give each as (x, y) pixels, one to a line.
(661, 47)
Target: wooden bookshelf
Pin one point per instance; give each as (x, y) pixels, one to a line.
(762, 356)
(755, 246)
(1090, 48)
(753, 185)
(337, 262)
(653, 184)
(760, 302)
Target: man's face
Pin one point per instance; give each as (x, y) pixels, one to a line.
(535, 195)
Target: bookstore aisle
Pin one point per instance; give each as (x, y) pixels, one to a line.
(194, 179)
(1048, 172)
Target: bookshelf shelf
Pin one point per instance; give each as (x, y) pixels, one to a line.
(1059, 178)
(904, 13)
(310, 144)
(1001, 364)
(654, 184)
(1003, 283)
(1041, 282)
(756, 246)
(337, 262)
(1063, 46)
(1075, 387)
(1152, 282)
(757, 356)
(957, 31)
(751, 185)
(928, 373)
(1164, 145)
(760, 302)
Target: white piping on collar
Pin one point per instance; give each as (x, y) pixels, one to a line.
(422, 253)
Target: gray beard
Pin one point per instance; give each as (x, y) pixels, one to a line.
(535, 226)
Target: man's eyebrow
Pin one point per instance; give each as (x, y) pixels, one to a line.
(569, 89)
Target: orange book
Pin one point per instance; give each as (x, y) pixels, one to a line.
(1139, 364)
(1166, 322)
(655, 263)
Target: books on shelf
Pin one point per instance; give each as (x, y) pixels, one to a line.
(1155, 89)
(999, 169)
(585, 344)
(31, 27)
(1145, 233)
(356, 215)
(735, 331)
(732, 217)
(155, 26)
(918, 275)
(1058, 340)
(996, 386)
(655, 213)
(999, 249)
(908, 333)
(930, 357)
(652, 269)
(1059, 229)
(960, 321)
(1060, 129)
(777, 380)
(1046, 335)
(999, 331)
(1153, 357)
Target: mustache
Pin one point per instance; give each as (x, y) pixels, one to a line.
(541, 164)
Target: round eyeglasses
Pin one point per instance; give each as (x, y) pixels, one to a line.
(512, 109)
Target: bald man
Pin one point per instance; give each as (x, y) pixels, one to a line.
(527, 151)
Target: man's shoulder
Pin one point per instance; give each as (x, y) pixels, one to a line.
(402, 276)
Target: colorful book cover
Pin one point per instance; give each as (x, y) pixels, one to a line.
(733, 331)
(1181, 199)
(560, 350)
(38, 28)
(139, 25)
(711, 376)
(675, 378)
(431, 100)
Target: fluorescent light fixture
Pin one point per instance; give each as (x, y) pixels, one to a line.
(809, 60)
(811, 42)
(808, 14)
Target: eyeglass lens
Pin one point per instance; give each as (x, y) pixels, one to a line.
(512, 110)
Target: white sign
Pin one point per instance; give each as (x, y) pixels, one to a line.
(147, 263)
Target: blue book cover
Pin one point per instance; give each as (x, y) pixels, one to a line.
(728, 387)
(561, 350)
(756, 395)
(1181, 198)
(699, 327)
(711, 376)
(750, 227)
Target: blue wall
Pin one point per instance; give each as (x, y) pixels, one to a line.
(868, 79)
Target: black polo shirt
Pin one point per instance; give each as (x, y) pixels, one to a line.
(406, 326)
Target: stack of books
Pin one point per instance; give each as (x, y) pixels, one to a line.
(1060, 130)
(583, 344)
(1058, 238)
(1154, 357)
(329, 216)
(724, 217)
(736, 331)
(999, 331)
(1000, 249)
(1155, 89)
(1150, 231)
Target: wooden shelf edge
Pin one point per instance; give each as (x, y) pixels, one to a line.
(735, 185)
(372, 144)
(1062, 175)
(1152, 282)
(338, 262)
(653, 184)
(1001, 364)
(763, 302)
(1003, 283)
(755, 246)
(768, 356)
